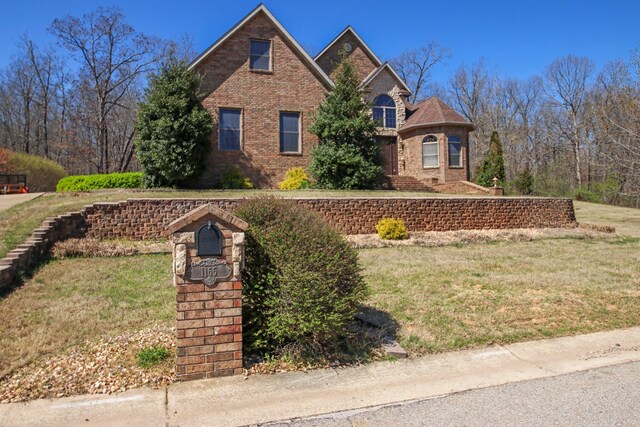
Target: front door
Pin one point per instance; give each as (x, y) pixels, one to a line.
(389, 148)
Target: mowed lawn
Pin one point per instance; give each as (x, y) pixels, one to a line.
(439, 299)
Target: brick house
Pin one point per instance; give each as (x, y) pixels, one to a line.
(263, 89)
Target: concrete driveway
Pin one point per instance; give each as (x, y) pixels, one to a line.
(9, 200)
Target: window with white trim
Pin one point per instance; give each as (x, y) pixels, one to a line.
(430, 152)
(289, 132)
(260, 55)
(230, 129)
(384, 111)
(455, 151)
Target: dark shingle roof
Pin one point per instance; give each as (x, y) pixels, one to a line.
(432, 111)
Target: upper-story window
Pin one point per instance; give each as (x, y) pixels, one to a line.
(260, 55)
(430, 152)
(384, 111)
(455, 151)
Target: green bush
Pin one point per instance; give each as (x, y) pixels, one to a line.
(172, 128)
(42, 174)
(585, 195)
(151, 356)
(392, 229)
(100, 181)
(342, 167)
(232, 179)
(295, 179)
(522, 184)
(302, 281)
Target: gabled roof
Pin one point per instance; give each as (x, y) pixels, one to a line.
(262, 8)
(377, 71)
(367, 50)
(431, 112)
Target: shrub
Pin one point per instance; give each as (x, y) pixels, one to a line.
(493, 165)
(585, 195)
(302, 280)
(151, 356)
(42, 174)
(347, 156)
(392, 229)
(342, 167)
(172, 128)
(295, 179)
(523, 183)
(232, 178)
(100, 181)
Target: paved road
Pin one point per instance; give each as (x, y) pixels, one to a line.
(9, 200)
(599, 397)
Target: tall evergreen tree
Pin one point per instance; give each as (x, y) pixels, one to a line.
(172, 129)
(347, 156)
(493, 166)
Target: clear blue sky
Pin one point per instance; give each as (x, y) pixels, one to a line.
(517, 38)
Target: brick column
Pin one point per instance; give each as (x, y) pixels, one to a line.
(209, 296)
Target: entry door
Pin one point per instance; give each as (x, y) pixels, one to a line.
(389, 147)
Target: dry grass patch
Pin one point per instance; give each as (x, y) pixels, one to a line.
(71, 248)
(68, 302)
(462, 296)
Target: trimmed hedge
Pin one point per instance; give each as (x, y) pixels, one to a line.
(42, 174)
(100, 181)
(301, 281)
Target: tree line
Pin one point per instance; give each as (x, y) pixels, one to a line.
(573, 129)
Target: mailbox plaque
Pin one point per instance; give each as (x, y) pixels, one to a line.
(210, 270)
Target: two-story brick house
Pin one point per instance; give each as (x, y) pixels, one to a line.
(263, 90)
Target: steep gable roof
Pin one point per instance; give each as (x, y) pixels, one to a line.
(431, 112)
(366, 48)
(377, 71)
(261, 8)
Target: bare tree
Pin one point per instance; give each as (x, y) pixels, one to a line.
(415, 66)
(114, 57)
(567, 90)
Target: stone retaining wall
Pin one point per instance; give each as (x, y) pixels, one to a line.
(141, 219)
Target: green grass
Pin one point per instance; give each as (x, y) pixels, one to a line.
(70, 301)
(449, 298)
(152, 356)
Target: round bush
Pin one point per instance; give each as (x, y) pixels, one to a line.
(392, 229)
(302, 281)
(295, 179)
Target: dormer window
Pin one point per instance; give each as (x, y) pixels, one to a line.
(260, 55)
(384, 111)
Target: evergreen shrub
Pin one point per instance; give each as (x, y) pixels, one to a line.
(392, 229)
(295, 179)
(100, 181)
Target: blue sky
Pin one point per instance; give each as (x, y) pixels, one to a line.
(516, 38)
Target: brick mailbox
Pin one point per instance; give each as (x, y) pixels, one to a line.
(208, 256)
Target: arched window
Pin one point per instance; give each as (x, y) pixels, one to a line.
(430, 152)
(384, 111)
(455, 151)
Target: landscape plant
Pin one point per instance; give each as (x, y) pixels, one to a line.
(347, 156)
(233, 179)
(302, 281)
(100, 181)
(295, 179)
(493, 165)
(392, 229)
(173, 128)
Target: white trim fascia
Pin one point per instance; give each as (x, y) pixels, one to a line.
(262, 8)
(377, 71)
(353, 31)
(421, 125)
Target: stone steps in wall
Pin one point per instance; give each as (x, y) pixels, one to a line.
(407, 183)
